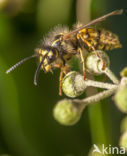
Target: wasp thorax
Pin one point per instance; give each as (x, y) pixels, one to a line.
(58, 41)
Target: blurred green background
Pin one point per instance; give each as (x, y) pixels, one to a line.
(27, 126)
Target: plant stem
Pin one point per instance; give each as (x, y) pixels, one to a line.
(100, 84)
(111, 75)
(97, 97)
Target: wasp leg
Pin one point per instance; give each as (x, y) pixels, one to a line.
(64, 70)
(104, 64)
(60, 77)
(97, 54)
(83, 61)
(60, 81)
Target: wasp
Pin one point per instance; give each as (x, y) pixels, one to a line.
(61, 44)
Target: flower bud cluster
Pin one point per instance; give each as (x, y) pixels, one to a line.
(68, 112)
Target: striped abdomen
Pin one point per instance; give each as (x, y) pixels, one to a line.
(98, 39)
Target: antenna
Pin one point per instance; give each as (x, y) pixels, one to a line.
(37, 72)
(19, 63)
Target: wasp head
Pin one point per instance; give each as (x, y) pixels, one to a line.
(47, 56)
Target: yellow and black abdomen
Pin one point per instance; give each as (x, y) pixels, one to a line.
(95, 39)
(108, 41)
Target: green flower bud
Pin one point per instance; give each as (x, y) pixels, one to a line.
(73, 84)
(124, 125)
(121, 99)
(94, 64)
(123, 81)
(123, 140)
(67, 113)
(123, 73)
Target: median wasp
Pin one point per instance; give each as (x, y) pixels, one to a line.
(61, 44)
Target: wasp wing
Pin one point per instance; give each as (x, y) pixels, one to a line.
(93, 22)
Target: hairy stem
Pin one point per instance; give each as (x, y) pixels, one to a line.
(97, 97)
(111, 75)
